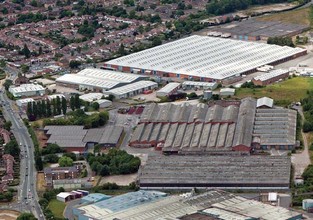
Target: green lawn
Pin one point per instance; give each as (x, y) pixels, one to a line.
(57, 208)
(285, 92)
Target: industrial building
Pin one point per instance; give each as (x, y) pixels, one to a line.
(215, 171)
(168, 89)
(254, 30)
(270, 77)
(132, 89)
(210, 205)
(204, 58)
(101, 209)
(109, 136)
(24, 102)
(90, 97)
(76, 138)
(93, 198)
(26, 90)
(227, 92)
(199, 85)
(223, 127)
(97, 80)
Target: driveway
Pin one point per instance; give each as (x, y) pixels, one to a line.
(301, 160)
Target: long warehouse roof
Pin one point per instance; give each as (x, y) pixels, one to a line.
(209, 57)
(105, 79)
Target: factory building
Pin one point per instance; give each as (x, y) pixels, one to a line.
(97, 80)
(26, 90)
(168, 89)
(24, 102)
(270, 77)
(132, 89)
(199, 85)
(76, 138)
(216, 171)
(227, 92)
(202, 58)
(223, 127)
(210, 205)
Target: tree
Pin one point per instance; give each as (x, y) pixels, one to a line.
(43, 108)
(35, 110)
(7, 125)
(8, 196)
(65, 161)
(105, 171)
(77, 102)
(34, 3)
(51, 158)
(74, 64)
(121, 50)
(72, 103)
(54, 106)
(156, 41)
(64, 105)
(24, 68)
(40, 50)
(48, 108)
(29, 110)
(7, 83)
(26, 216)
(95, 106)
(59, 107)
(26, 52)
(12, 148)
(38, 162)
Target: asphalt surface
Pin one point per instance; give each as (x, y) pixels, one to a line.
(27, 194)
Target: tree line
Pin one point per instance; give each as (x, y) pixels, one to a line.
(78, 117)
(47, 108)
(113, 163)
(281, 41)
(307, 106)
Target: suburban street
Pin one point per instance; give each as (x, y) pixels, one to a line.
(27, 194)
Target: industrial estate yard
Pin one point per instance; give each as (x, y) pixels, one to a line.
(147, 110)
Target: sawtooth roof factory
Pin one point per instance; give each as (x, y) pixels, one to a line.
(225, 126)
(204, 58)
(211, 205)
(216, 171)
(98, 80)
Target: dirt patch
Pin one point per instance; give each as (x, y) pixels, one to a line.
(8, 214)
(41, 182)
(41, 137)
(121, 180)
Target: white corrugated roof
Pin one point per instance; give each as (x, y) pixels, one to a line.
(64, 194)
(169, 87)
(89, 97)
(26, 88)
(265, 101)
(210, 57)
(131, 87)
(271, 74)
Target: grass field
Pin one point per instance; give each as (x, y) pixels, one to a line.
(300, 16)
(290, 90)
(57, 207)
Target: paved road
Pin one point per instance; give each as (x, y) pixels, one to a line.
(27, 194)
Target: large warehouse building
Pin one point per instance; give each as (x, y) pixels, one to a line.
(216, 171)
(232, 127)
(97, 80)
(210, 205)
(204, 58)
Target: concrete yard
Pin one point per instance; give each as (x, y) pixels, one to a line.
(121, 180)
